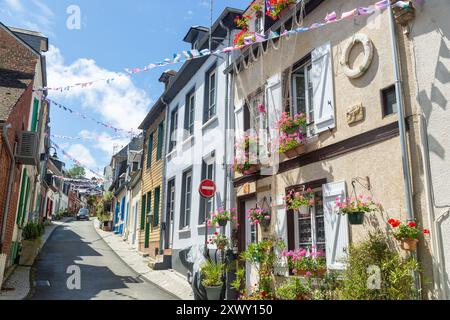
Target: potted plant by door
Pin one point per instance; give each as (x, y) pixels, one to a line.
(292, 134)
(212, 274)
(31, 243)
(407, 233)
(356, 208)
(259, 216)
(306, 263)
(300, 201)
(220, 240)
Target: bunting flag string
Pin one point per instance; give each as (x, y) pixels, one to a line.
(57, 136)
(195, 54)
(255, 38)
(77, 163)
(87, 117)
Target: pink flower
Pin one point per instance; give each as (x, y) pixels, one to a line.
(294, 270)
(308, 274)
(262, 108)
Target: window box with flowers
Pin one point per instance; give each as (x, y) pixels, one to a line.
(239, 39)
(304, 263)
(356, 208)
(407, 233)
(258, 10)
(258, 216)
(246, 159)
(292, 137)
(300, 202)
(279, 8)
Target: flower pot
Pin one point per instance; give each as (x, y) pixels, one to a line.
(409, 244)
(213, 293)
(356, 218)
(253, 169)
(29, 252)
(259, 14)
(320, 273)
(285, 11)
(221, 247)
(296, 152)
(223, 223)
(304, 211)
(265, 224)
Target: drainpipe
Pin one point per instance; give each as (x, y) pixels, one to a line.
(402, 129)
(227, 111)
(162, 235)
(11, 177)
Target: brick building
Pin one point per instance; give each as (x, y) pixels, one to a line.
(18, 63)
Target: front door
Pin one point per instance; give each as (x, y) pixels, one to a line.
(248, 234)
(170, 214)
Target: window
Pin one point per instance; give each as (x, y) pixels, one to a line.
(185, 215)
(190, 114)
(261, 125)
(173, 128)
(310, 226)
(135, 166)
(159, 149)
(150, 151)
(389, 100)
(156, 203)
(207, 205)
(303, 94)
(171, 199)
(259, 24)
(149, 203)
(210, 96)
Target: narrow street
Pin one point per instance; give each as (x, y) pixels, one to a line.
(104, 276)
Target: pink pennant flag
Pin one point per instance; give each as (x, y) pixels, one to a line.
(331, 17)
(383, 4)
(349, 14)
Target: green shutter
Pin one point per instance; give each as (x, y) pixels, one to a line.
(143, 204)
(159, 151)
(22, 194)
(156, 207)
(147, 225)
(27, 195)
(150, 151)
(35, 115)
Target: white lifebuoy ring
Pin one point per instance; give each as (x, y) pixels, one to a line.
(357, 71)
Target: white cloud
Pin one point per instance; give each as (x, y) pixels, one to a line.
(119, 103)
(14, 5)
(105, 142)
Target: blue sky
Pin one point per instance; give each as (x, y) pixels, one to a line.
(114, 35)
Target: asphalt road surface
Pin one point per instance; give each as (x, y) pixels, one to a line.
(103, 275)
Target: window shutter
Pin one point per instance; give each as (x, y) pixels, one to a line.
(159, 151)
(156, 207)
(143, 207)
(35, 115)
(201, 216)
(150, 151)
(287, 75)
(323, 88)
(274, 100)
(336, 226)
(206, 99)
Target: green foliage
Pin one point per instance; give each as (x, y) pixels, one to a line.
(212, 274)
(397, 281)
(295, 288)
(76, 173)
(107, 196)
(239, 282)
(33, 231)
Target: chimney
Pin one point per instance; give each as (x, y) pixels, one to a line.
(166, 78)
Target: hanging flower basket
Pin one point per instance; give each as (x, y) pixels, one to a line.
(296, 152)
(409, 244)
(304, 210)
(356, 218)
(223, 223)
(259, 14)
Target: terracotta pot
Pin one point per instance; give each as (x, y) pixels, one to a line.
(221, 247)
(356, 218)
(321, 273)
(294, 153)
(409, 244)
(254, 168)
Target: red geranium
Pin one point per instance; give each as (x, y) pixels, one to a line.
(412, 224)
(394, 223)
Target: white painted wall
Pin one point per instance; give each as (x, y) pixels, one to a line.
(206, 140)
(431, 57)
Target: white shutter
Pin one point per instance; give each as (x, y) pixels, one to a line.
(336, 226)
(274, 100)
(323, 88)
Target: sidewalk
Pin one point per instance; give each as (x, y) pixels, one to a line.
(168, 280)
(19, 280)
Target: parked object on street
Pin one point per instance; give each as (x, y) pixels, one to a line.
(83, 214)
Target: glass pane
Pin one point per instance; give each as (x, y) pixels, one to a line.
(320, 226)
(305, 236)
(300, 92)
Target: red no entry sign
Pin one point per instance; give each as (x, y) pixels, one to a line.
(207, 189)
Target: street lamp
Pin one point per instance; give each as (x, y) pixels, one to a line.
(55, 155)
